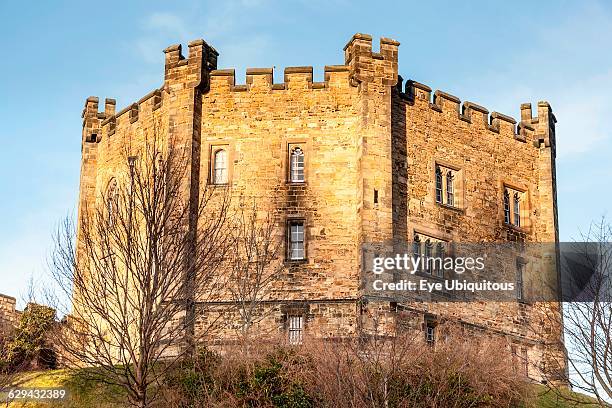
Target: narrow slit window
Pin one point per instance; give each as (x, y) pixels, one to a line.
(517, 210)
(428, 256)
(438, 185)
(112, 203)
(506, 206)
(220, 167)
(439, 261)
(450, 189)
(416, 251)
(375, 196)
(297, 165)
(520, 267)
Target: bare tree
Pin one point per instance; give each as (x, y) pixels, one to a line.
(255, 270)
(144, 253)
(587, 316)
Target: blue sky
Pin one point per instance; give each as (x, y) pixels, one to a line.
(497, 55)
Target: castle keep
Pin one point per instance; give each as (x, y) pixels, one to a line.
(359, 159)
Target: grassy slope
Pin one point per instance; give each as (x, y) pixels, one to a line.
(87, 394)
(81, 393)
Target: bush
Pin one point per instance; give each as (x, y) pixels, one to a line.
(27, 346)
(254, 379)
(398, 372)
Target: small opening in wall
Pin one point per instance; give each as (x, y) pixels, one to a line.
(375, 196)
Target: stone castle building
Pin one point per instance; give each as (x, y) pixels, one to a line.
(358, 159)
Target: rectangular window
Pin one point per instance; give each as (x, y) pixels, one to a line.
(430, 333)
(448, 184)
(524, 362)
(219, 165)
(296, 164)
(295, 326)
(514, 202)
(296, 240)
(517, 209)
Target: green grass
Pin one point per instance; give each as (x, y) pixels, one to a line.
(546, 398)
(84, 393)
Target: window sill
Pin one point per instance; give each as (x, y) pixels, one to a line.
(451, 207)
(524, 230)
(296, 183)
(219, 185)
(430, 276)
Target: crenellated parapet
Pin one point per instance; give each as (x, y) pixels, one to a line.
(130, 113)
(190, 72)
(366, 65)
(524, 130)
(262, 79)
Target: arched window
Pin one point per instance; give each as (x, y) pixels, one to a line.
(438, 184)
(296, 165)
(450, 190)
(220, 167)
(506, 206)
(517, 210)
(111, 201)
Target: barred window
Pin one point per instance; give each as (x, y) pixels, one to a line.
(430, 333)
(296, 240)
(220, 167)
(296, 164)
(295, 327)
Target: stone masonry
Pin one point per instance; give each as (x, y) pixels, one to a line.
(9, 316)
(371, 145)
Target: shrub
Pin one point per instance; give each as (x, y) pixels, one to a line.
(27, 345)
(379, 372)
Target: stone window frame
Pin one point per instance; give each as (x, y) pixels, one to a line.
(436, 236)
(458, 190)
(295, 310)
(212, 147)
(289, 144)
(287, 240)
(524, 210)
(430, 322)
(520, 359)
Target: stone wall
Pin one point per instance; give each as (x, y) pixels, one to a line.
(9, 316)
(371, 146)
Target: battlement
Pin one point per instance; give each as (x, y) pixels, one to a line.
(472, 113)
(366, 65)
(262, 79)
